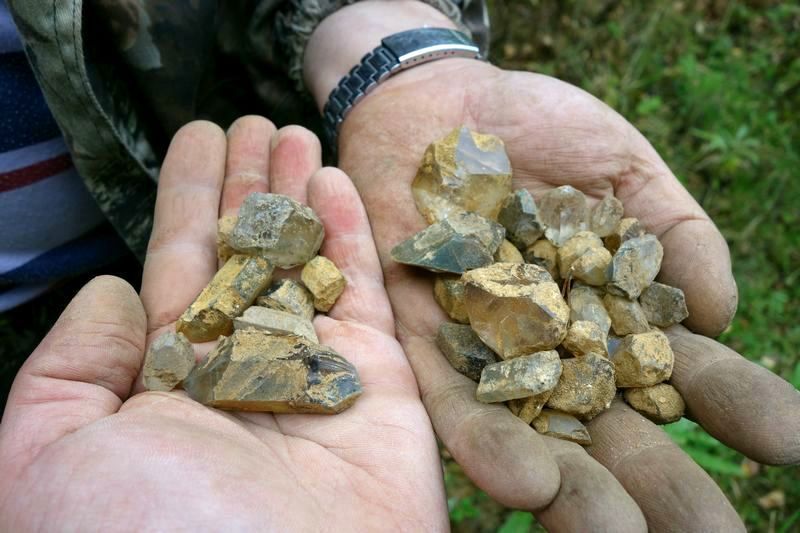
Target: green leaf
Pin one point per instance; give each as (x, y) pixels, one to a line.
(517, 522)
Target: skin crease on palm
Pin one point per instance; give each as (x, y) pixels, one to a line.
(80, 452)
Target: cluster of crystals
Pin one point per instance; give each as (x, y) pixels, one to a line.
(267, 357)
(555, 303)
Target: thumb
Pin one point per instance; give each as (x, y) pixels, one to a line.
(81, 372)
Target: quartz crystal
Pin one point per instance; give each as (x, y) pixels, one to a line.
(508, 253)
(516, 309)
(526, 409)
(575, 247)
(168, 361)
(325, 282)
(289, 296)
(225, 227)
(450, 293)
(545, 254)
(276, 322)
(660, 403)
(585, 303)
(563, 212)
(626, 315)
(643, 359)
(521, 377)
(562, 426)
(585, 337)
(634, 266)
(663, 305)
(521, 219)
(605, 216)
(464, 349)
(464, 171)
(585, 388)
(626, 229)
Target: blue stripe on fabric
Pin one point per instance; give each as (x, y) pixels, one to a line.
(92, 250)
(9, 38)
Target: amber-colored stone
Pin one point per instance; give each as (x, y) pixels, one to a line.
(450, 293)
(526, 409)
(575, 247)
(225, 227)
(545, 254)
(585, 337)
(634, 266)
(168, 361)
(464, 171)
(660, 403)
(325, 282)
(276, 322)
(278, 228)
(462, 242)
(508, 253)
(663, 305)
(521, 219)
(232, 290)
(289, 296)
(586, 303)
(563, 212)
(253, 370)
(626, 229)
(585, 388)
(464, 349)
(626, 315)
(643, 359)
(605, 216)
(562, 426)
(520, 377)
(516, 309)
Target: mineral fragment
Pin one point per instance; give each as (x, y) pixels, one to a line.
(545, 254)
(278, 228)
(253, 370)
(563, 212)
(628, 228)
(585, 303)
(592, 267)
(464, 349)
(520, 377)
(508, 253)
(450, 293)
(634, 266)
(626, 315)
(663, 305)
(585, 337)
(643, 359)
(529, 408)
(660, 403)
(464, 171)
(562, 426)
(225, 227)
(575, 247)
(585, 388)
(234, 287)
(516, 309)
(168, 361)
(289, 296)
(605, 216)
(462, 242)
(521, 219)
(276, 322)
(324, 281)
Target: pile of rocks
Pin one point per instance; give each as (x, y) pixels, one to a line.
(268, 357)
(555, 304)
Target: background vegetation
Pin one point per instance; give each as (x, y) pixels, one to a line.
(715, 86)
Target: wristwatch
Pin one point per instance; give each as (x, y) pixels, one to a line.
(396, 52)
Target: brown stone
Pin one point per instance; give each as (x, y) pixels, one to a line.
(516, 309)
(450, 293)
(464, 171)
(605, 216)
(521, 219)
(563, 212)
(626, 315)
(168, 361)
(586, 303)
(289, 296)
(660, 403)
(232, 290)
(575, 247)
(225, 227)
(508, 253)
(523, 376)
(276, 322)
(545, 254)
(464, 349)
(585, 337)
(562, 426)
(663, 305)
(643, 359)
(526, 409)
(325, 282)
(253, 370)
(585, 388)
(626, 229)
(592, 267)
(634, 266)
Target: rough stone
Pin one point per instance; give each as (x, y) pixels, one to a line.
(516, 309)
(585, 337)
(225, 227)
(592, 267)
(545, 254)
(563, 212)
(276, 322)
(575, 247)
(464, 171)
(585, 303)
(278, 228)
(605, 216)
(585, 388)
(168, 361)
(660, 403)
(562, 426)
(521, 219)
(450, 293)
(520, 377)
(634, 266)
(508, 253)
(462, 242)
(253, 370)
(289, 296)
(626, 315)
(663, 305)
(232, 290)
(626, 229)
(643, 359)
(464, 349)
(526, 409)
(325, 282)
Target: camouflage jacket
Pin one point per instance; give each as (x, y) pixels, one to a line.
(121, 76)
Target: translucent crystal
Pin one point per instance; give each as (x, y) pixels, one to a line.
(325, 282)
(562, 426)
(626, 315)
(605, 216)
(585, 388)
(585, 303)
(521, 377)
(634, 266)
(521, 219)
(643, 359)
(168, 361)
(660, 403)
(585, 337)
(289, 296)
(663, 305)
(450, 294)
(464, 349)
(276, 322)
(564, 213)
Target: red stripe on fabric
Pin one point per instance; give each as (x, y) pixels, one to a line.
(21, 177)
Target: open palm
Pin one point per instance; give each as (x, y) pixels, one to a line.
(556, 134)
(83, 448)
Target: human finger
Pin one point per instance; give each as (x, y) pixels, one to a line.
(247, 162)
(296, 156)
